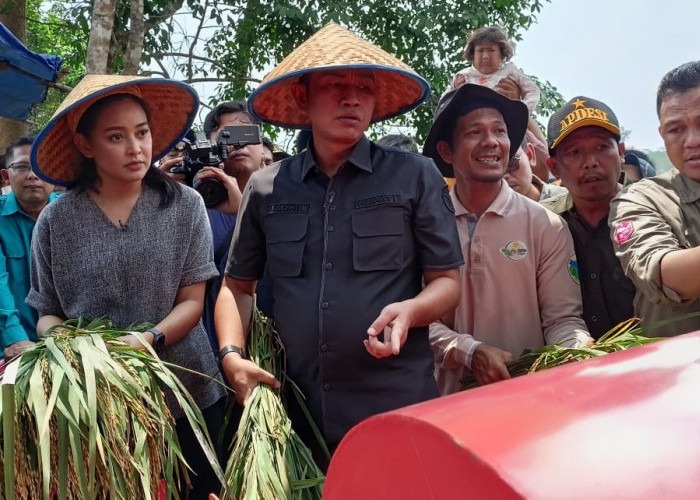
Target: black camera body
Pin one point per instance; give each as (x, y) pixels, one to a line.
(202, 153)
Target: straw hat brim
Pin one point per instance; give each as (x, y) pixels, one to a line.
(515, 115)
(398, 89)
(396, 92)
(172, 105)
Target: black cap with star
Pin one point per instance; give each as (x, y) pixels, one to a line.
(580, 112)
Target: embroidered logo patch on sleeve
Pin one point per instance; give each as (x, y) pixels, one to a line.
(624, 231)
(514, 250)
(573, 270)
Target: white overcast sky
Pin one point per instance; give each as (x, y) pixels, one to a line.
(615, 51)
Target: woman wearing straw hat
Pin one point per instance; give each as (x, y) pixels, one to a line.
(348, 230)
(126, 242)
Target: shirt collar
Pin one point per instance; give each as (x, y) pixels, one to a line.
(501, 205)
(688, 189)
(360, 157)
(11, 206)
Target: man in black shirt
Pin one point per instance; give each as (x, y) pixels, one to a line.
(586, 152)
(349, 231)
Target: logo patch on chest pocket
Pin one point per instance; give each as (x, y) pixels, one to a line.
(514, 250)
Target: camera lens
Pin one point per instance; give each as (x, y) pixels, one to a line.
(212, 191)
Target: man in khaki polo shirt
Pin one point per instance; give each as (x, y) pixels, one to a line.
(655, 222)
(519, 282)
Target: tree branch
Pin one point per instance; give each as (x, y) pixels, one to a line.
(213, 62)
(134, 45)
(196, 38)
(168, 12)
(6, 67)
(221, 80)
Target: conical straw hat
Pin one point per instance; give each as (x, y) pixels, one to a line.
(172, 107)
(398, 88)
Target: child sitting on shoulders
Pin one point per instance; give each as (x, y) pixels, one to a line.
(489, 50)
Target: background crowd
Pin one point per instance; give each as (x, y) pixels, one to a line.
(390, 271)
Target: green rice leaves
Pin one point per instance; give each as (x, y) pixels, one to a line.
(269, 460)
(626, 335)
(83, 416)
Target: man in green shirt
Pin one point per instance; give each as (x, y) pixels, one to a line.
(655, 223)
(19, 210)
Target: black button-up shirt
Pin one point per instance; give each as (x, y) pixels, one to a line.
(339, 250)
(608, 295)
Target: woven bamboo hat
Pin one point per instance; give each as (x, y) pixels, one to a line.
(398, 88)
(172, 104)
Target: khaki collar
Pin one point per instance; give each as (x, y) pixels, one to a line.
(688, 189)
(499, 206)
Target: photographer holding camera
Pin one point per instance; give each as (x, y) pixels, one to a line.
(238, 166)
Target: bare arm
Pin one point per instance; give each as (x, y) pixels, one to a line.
(180, 321)
(233, 310)
(438, 297)
(676, 267)
(232, 314)
(189, 303)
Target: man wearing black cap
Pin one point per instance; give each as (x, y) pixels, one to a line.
(655, 223)
(518, 285)
(586, 153)
(349, 231)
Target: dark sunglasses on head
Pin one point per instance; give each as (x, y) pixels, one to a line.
(513, 164)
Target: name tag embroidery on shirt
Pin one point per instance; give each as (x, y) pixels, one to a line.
(384, 199)
(288, 208)
(514, 250)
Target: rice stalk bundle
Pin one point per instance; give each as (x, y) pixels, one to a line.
(83, 416)
(269, 460)
(626, 335)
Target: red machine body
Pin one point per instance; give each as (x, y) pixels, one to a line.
(623, 426)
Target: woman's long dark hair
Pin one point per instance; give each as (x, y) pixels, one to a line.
(88, 177)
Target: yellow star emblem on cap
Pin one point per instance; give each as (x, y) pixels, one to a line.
(578, 103)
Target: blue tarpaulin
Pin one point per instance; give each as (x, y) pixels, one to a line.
(23, 76)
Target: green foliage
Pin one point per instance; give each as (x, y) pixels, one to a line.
(84, 416)
(626, 335)
(428, 36)
(54, 28)
(234, 42)
(269, 460)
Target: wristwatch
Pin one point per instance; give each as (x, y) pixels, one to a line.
(228, 350)
(158, 339)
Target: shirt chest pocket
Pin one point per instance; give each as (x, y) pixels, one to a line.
(15, 250)
(377, 240)
(286, 238)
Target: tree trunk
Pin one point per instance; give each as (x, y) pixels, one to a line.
(134, 46)
(13, 14)
(100, 35)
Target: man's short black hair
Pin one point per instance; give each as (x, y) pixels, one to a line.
(302, 140)
(211, 122)
(399, 141)
(25, 140)
(678, 80)
(267, 143)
